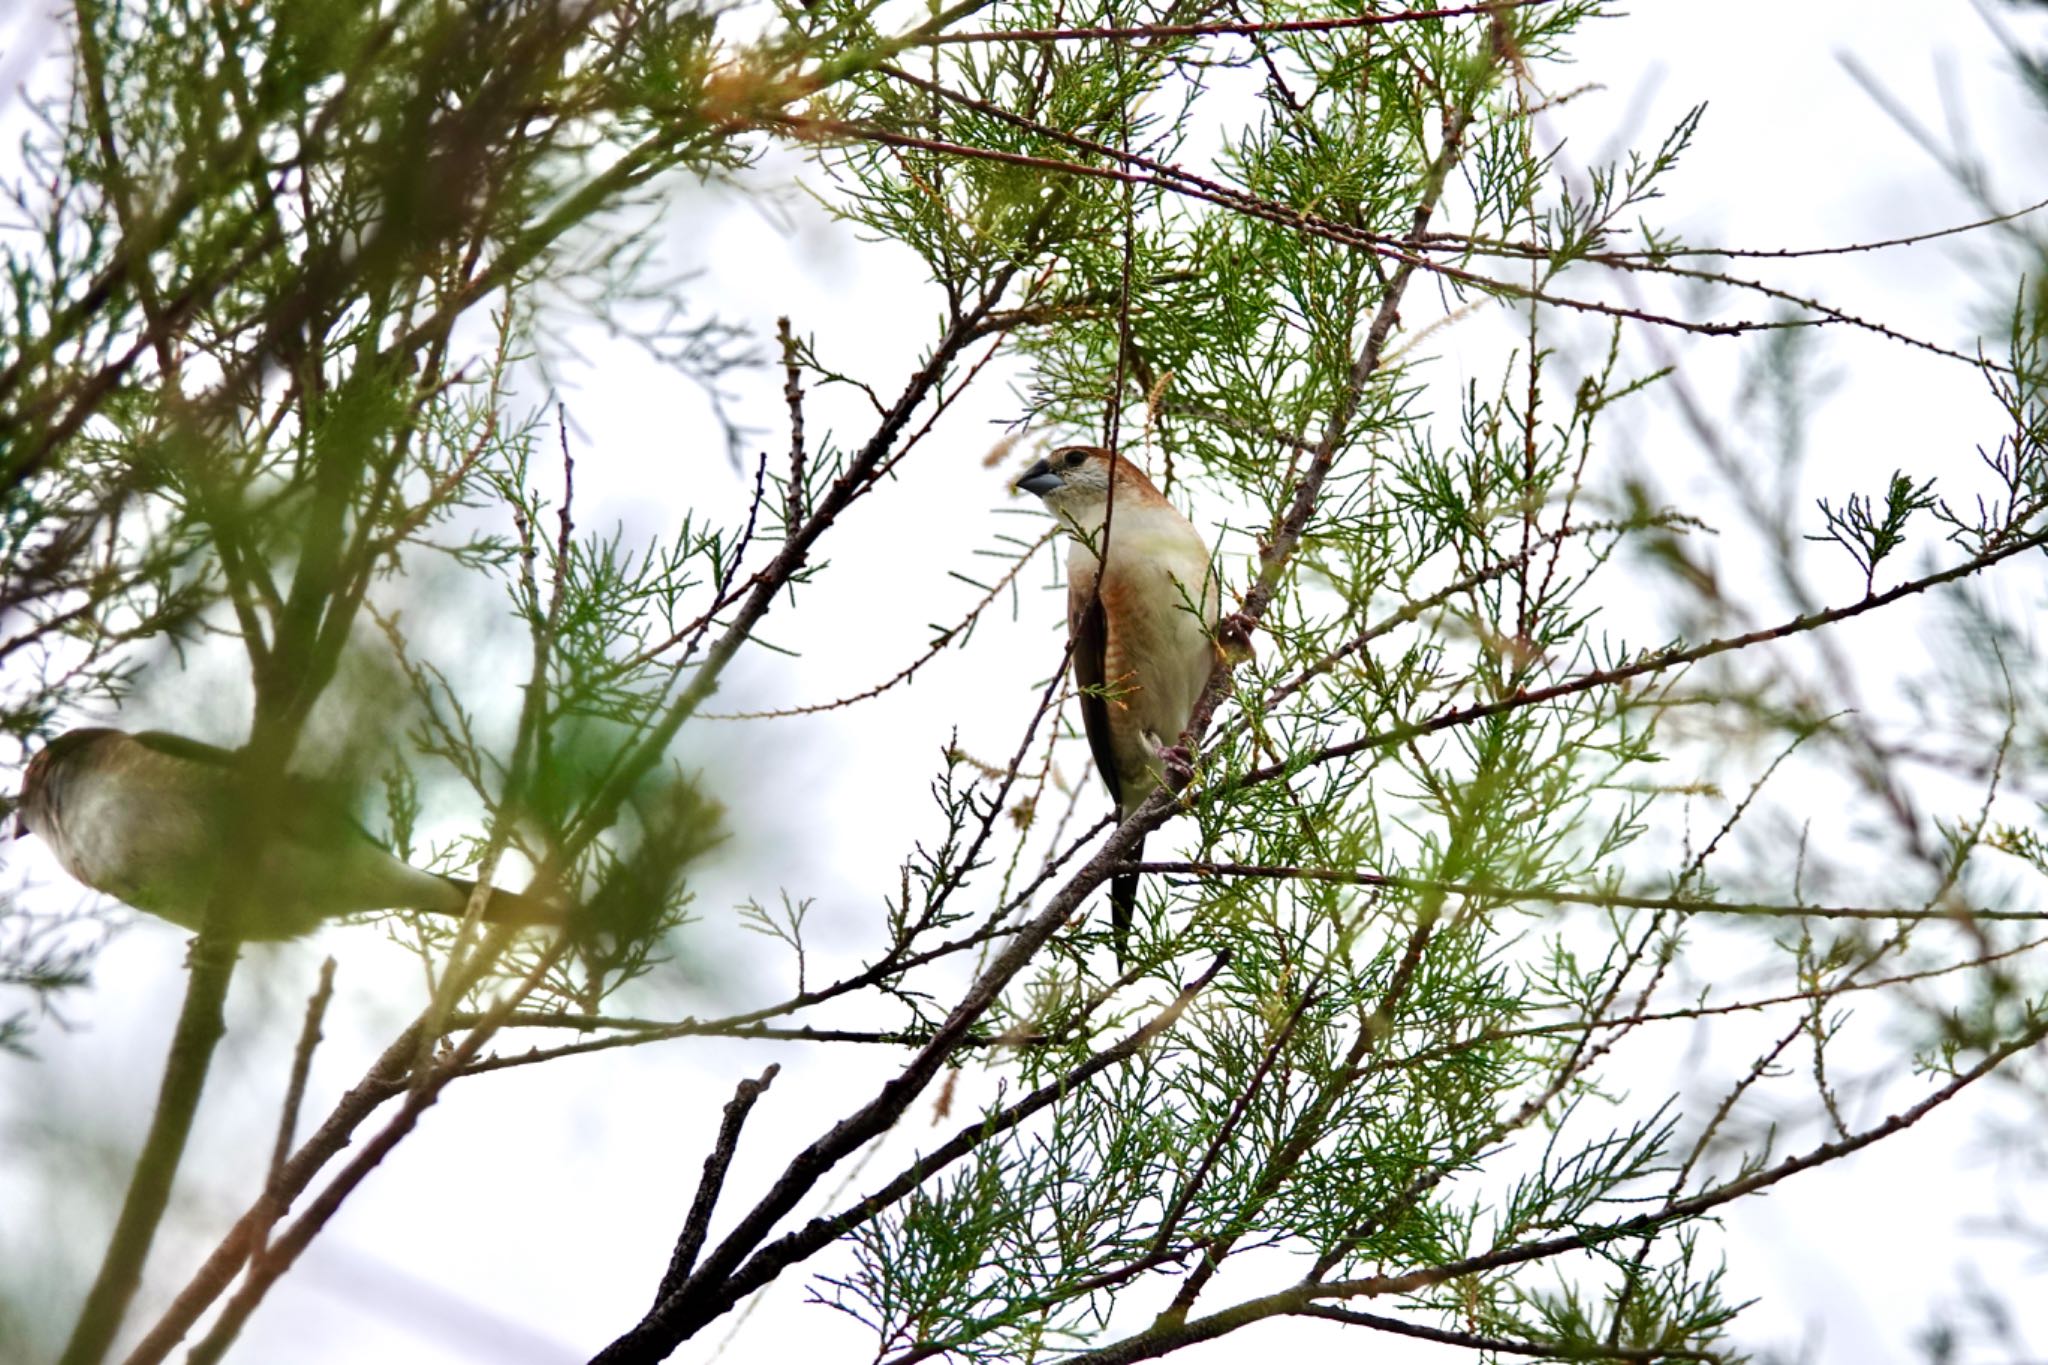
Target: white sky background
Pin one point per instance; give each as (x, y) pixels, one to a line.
(529, 1217)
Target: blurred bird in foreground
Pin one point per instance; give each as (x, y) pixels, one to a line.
(1142, 626)
(148, 819)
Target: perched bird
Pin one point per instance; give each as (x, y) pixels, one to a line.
(1142, 607)
(147, 819)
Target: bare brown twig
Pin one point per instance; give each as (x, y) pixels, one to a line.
(1561, 896)
(698, 1224)
(1231, 29)
(295, 1089)
(1659, 662)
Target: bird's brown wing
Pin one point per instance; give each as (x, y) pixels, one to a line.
(1088, 626)
(177, 746)
(313, 809)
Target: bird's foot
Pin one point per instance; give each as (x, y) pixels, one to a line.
(1234, 638)
(1179, 763)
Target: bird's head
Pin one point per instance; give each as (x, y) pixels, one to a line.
(45, 772)
(1073, 483)
(30, 800)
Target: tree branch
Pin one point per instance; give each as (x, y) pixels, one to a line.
(1560, 896)
(699, 1221)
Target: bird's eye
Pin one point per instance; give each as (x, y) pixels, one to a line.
(1075, 457)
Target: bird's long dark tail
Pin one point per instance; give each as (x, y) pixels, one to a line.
(1123, 903)
(513, 907)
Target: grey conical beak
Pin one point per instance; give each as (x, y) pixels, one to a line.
(1041, 479)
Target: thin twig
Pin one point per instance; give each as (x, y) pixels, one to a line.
(1662, 661)
(265, 1270)
(1605, 899)
(1695, 1012)
(814, 127)
(793, 395)
(698, 1224)
(944, 639)
(295, 1090)
(1472, 1341)
(1239, 29)
(1166, 1336)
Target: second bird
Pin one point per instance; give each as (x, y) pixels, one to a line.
(152, 818)
(1141, 624)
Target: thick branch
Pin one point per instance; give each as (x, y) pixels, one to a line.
(659, 1333)
(200, 1026)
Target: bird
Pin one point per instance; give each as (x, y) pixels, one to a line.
(149, 818)
(1142, 611)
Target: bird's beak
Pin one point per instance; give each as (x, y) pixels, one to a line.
(1041, 479)
(17, 828)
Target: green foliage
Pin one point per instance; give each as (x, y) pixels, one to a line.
(1870, 533)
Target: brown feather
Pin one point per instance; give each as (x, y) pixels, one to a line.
(1088, 624)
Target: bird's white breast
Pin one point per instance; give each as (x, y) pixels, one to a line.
(1161, 599)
